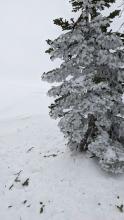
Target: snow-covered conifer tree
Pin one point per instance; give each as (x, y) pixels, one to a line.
(88, 98)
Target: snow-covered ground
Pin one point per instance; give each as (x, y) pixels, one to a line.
(37, 172)
(39, 177)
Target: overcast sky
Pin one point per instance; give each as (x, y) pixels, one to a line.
(24, 27)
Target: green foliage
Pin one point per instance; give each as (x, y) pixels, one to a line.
(88, 98)
(49, 50)
(114, 14)
(49, 42)
(77, 4)
(64, 24)
(98, 79)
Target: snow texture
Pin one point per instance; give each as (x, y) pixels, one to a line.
(31, 146)
(61, 184)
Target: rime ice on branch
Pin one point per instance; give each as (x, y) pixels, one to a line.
(88, 99)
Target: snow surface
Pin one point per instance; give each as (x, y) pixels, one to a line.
(69, 186)
(61, 185)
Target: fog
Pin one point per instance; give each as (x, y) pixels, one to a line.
(24, 27)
